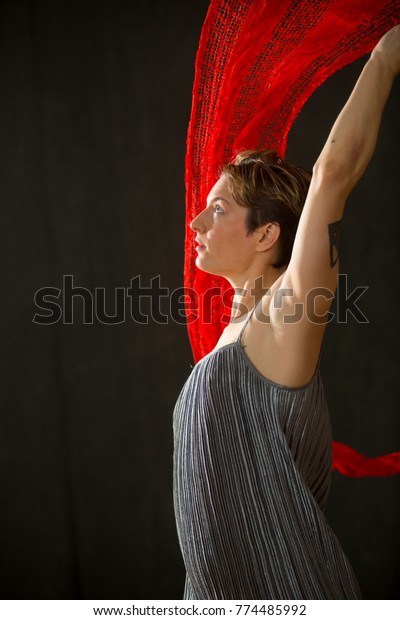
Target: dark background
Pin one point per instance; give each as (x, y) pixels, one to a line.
(94, 110)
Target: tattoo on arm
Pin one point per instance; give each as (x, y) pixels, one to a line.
(334, 230)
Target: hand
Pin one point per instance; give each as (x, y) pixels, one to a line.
(388, 49)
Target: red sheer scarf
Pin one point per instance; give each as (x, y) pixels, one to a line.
(257, 64)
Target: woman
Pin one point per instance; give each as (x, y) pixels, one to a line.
(252, 432)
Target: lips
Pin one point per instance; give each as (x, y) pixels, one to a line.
(199, 244)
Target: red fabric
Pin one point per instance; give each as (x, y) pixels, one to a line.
(351, 463)
(257, 64)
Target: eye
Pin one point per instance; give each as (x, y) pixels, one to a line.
(218, 207)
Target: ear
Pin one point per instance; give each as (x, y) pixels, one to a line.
(268, 236)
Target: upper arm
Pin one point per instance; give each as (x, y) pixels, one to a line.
(314, 264)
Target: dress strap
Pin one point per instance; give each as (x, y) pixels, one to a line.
(247, 320)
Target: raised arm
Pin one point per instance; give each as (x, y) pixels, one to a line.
(340, 165)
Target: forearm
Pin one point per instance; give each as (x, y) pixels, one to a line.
(352, 139)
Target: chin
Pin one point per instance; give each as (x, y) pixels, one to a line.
(203, 267)
(213, 272)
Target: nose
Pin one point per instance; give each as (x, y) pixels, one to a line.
(196, 224)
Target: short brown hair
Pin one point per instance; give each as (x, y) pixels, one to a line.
(273, 190)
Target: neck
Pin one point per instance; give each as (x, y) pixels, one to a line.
(249, 290)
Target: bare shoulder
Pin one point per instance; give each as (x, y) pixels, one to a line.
(280, 341)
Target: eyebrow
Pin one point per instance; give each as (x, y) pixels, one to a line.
(219, 198)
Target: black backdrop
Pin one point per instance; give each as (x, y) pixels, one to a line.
(94, 109)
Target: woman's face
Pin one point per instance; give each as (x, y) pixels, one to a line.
(225, 249)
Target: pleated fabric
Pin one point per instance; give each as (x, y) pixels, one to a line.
(252, 470)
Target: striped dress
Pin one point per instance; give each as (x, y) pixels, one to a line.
(252, 470)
